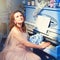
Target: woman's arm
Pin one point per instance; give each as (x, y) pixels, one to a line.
(41, 46)
(26, 43)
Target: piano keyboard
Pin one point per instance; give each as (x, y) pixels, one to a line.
(51, 50)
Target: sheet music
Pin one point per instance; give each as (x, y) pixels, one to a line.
(42, 23)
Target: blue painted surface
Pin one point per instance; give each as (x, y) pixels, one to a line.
(29, 13)
(53, 12)
(57, 1)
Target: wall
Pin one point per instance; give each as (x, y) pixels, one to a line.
(14, 4)
(6, 7)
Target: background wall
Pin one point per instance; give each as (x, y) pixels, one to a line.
(14, 4)
(6, 7)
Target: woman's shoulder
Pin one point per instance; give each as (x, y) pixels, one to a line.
(15, 31)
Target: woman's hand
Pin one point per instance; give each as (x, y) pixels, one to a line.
(44, 44)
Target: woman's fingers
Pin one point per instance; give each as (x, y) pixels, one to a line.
(45, 44)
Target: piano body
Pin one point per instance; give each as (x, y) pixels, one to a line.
(52, 34)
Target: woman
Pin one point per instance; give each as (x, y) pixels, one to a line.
(17, 46)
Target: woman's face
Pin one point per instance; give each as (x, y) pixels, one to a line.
(18, 18)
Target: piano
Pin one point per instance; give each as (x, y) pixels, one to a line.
(52, 34)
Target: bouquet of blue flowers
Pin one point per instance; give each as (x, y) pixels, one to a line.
(36, 39)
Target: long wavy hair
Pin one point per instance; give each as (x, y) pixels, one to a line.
(12, 24)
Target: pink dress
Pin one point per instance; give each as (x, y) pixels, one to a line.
(14, 50)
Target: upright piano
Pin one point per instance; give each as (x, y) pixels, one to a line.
(52, 34)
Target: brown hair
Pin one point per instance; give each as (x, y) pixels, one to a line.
(12, 24)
